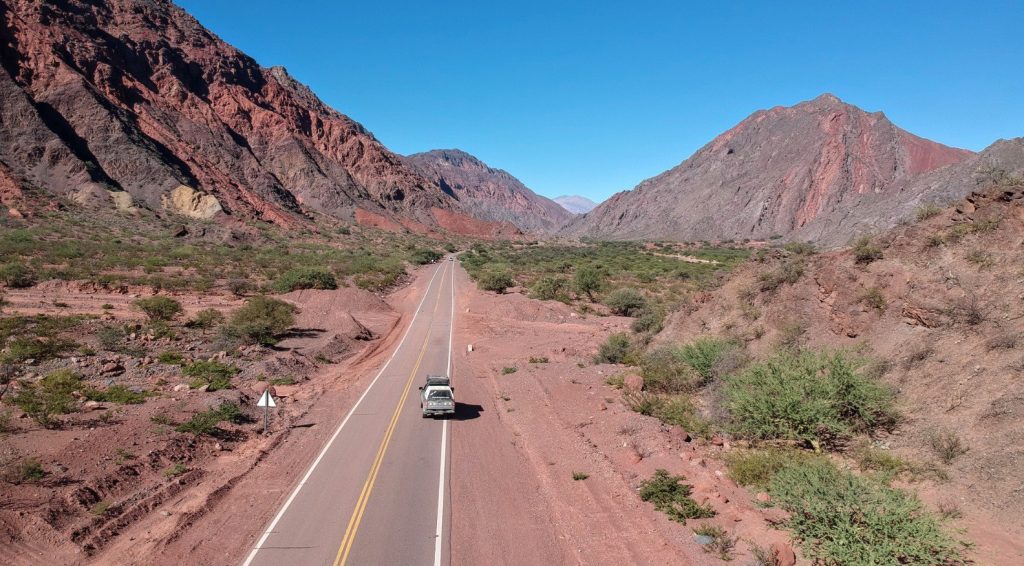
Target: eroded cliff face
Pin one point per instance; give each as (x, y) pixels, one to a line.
(795, 171)
(488, 193)
(136, 96)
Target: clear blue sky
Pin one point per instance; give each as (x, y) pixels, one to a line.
(592, 97)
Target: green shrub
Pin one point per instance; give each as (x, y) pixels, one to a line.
(587, 281)
(800, 248)
(580, 476)
(946, 445)
(261, 321)
(425, 256)
(117, 394)
(786, 273)
(305, 278)
(650, 321)
(17, 275)
(538, 359)
(37, 348)
(874, 298)
(171, 357)
(626, 301)
(53, 395)
(817, 398)
(207, 318)
(866, 252)
(212, 374)
(674, 369)
(549, 288)
(508, 370)
(206, 422)
(927, 211)
(497, 281)
(842, 518)
(159, 307)
(615, 349)
(757, 468)
(672, 497)
(31, 470)
(721, 545)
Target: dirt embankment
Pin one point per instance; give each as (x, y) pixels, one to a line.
(515, 499)
(942, 310)
(122, 486)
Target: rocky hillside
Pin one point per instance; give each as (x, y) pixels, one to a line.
(488, 193)
(800, 172)
(133, 103)
(576, 204)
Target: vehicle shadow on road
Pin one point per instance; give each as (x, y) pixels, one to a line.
(466, 412)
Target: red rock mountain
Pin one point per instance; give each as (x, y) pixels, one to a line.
(488, 193)
(800, 172)
(133, 103)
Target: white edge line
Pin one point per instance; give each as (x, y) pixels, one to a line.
(312, 467)
(439, 534)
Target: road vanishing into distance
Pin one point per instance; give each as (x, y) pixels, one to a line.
(376, 494)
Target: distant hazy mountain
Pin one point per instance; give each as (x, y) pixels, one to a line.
(576, 204)
(488, 193)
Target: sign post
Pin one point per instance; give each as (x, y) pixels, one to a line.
(266, 401)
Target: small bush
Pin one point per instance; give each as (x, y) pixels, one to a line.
(757, 468)
(241, 287)
(946, 445)
(496, 281)
(649, 321)
(207, 318)
(817, 398)
(800, 248)
(874, 298)
(549, 288)
(159, 307)
(206, 422)
(927, 211)
(305, 278)
(508, 370)
(626, 301)
(117, 394)
(175, 470)
(1002, 342)
(53, 395)
(16, 275)
(171, 357)
(261, 321)
(580, 476)
(587, 281)
(846, 519)
(37, 348)
(615, 349)
(425, 256)
(212, 374)
(672, 497)
(787, 273)
(865, 252)
(29, 470)
(981, 258)
(721, 545)
(538, 360)
(686, 368)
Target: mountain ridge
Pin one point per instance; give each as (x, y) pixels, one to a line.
(487, 192)
(783, 171)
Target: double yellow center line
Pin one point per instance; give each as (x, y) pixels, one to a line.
(364, 495)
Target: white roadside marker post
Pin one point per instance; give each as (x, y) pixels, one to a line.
(266, 401)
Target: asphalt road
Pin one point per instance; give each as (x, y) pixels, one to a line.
(376, 494)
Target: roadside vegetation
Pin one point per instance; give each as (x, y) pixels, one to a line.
(118, 251)
(628, 278)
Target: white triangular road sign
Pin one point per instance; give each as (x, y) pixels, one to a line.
(267, 400)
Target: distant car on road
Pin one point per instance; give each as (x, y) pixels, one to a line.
(437, 397)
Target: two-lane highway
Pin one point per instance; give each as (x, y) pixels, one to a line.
(376, 493)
